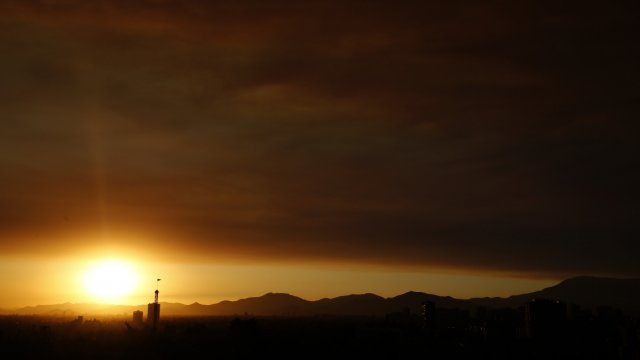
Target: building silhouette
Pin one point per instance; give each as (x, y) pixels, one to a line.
(429, 314)
(153, 309)
(545, 319)
(137, 318)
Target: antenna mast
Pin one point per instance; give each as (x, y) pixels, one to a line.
(157, 292)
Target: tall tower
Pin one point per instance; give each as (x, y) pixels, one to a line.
(153, 309)
(429, 314)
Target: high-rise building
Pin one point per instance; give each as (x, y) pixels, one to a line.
(137, 318)
(153, 314)
(153, 309)
(545, 318)
(429, 314)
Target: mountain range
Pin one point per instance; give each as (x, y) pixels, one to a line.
(588, 292)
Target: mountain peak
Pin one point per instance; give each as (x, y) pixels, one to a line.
(584, 278)
(595, 282)
(410, 294)
(282, 296)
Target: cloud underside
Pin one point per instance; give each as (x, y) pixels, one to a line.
(494, 136)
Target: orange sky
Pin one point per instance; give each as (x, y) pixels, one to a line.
(458, 149)
(58, 280)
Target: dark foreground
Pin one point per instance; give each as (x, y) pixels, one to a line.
(398, 336)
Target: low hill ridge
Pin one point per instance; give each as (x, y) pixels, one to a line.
(587, 291)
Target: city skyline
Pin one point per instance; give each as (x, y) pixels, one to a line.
(317, 148)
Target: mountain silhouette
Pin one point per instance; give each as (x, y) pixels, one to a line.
(362, 304)
(268, 304)
(586, 291)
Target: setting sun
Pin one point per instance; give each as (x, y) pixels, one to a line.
(110, 280)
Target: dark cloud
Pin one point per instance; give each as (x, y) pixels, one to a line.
(496, 136)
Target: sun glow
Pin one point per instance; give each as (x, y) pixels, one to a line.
(110, 280)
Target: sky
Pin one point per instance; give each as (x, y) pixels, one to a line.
(463, 148)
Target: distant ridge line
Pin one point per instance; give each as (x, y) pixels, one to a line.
(586, 291)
